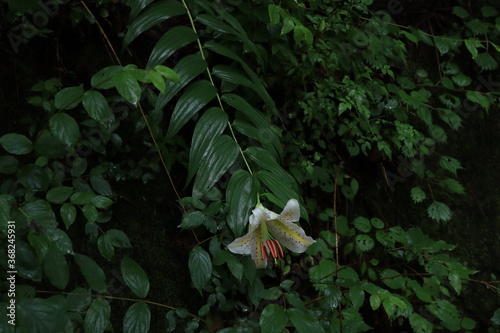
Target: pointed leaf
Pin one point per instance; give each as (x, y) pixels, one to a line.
(200, 267)
(94, 275)
(56, 269)
(97, 106)
(241, 196)
(232, 75)
(65, 128)
(170, 42)
(273, 319)
(188, 68)
(135, 277)
(59, 194)
(97, 316)
(217, 162)
(196, 96)
(137, 319)
(156, 13)
(16, 144)
(208, 127)
(68, 214)
(168, 73)
(68, 98)
(127, 86)
(304, 322)
(104, 78)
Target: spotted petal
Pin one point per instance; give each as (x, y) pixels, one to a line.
(250, 244)
(290, 235)
(291, 212)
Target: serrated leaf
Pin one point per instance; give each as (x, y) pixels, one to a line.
(273, 319)
(362, 224)
(171, 41)
(449, 163)
(154, 14)
(200, 267)
(137, 318)
(97, 106)
(420, 324)
(455, 281)
(127, 86)
(377, 223)
(417, 194)
(452, 185)
(93, 273)
(59, 194)
(97, 317)
(439, 211)
(220, 158)
(472, 45)
(364, 242)
(68, 98)
(16, 144)
(241, 196)
(447, 313)
(486, 61)
(135, 277)
(208, 127)
(304, 322)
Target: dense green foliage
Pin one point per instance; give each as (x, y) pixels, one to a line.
(239, 102)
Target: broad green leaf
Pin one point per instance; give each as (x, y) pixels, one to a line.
(136, 6)
(273, 319)
(94, 275)
(104, 78)
(455, 281)
(97, 106)
(8, 164)
(168, 73)
(452, 185)
(16, 144)
(485, 61)
(192, 220)
(288, 25)
(65, 128)
(281, 189)
(59, 194)
(47, 145)
(33, 177)
(261, 90)
(420, 324)
(267, 134)
(216, 24)
(137, 318)
(357, 296)
(119, 238)
(200, 267)
(241, 196)
(362, 224)
(90, 213)
(97, 317)
(60, 240)
(68, 98)
(68, 214)
(39, 315)
(208, 127)
(105, 246)
(127, 86)
(274, 13)
(460, 12)
(375, 301)
(170, 42)
(495, 319)
(439, 211)
(56, 269)
(222, 155)
(447, 313)
(79, 299)
(101, 202)
(461, 80)
(196, 96)
(40, 212)
(100, 185)
(304, 322)
(187, 68)
(267, 161)
(135, 277)
(235, 267)
(232, 75)
(82, 198)
(158, 81)
(154, 14)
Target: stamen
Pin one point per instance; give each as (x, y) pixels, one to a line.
(272, 248)
(263, 251)
(278, 245)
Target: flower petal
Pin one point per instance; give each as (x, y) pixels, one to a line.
(290, 235)
(261, 214)
(250, 244)
(291, 212)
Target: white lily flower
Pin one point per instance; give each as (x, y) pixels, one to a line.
(268, 231)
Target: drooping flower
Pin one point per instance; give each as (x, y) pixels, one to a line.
(268, 232)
